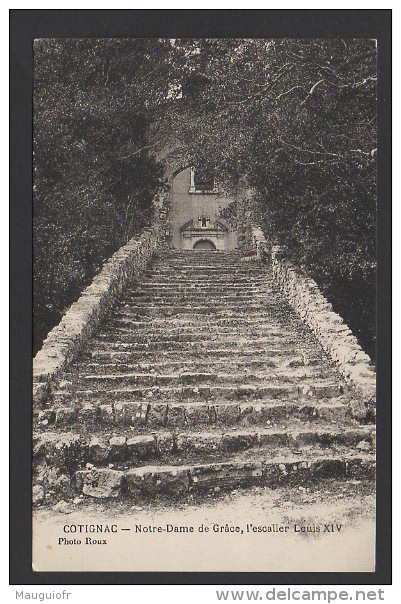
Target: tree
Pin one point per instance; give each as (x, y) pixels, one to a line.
(94, 175)
(297, 120)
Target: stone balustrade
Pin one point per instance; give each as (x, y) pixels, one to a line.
(316, 312)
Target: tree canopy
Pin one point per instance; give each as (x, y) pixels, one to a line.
(295, 119)
(94, 177)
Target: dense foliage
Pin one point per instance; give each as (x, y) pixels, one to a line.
(296, 119)
(293, 119)
(94, 178)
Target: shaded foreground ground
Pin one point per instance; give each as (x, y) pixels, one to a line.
(347, 544)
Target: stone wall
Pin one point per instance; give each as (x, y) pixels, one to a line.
(69, 337)
(316, 312)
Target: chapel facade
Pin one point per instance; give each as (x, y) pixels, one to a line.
(197, 205)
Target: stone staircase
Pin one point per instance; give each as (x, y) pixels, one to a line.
(202, 378)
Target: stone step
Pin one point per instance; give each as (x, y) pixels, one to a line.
(206, 280)
(116, 362)
(103, 413)
(74, 450)
(203, 253)
(233, 283)
(292, 369)
(236, 266)
(125, 351)
(191, 256)
(244, 392)
(141, 296)
(194, 265)
(140, 329)
(238, 320)
(206, 305)
(198, 340)
(199, 328)
(217, 256)
(265, 377)
(221, 260)
(171, 309)
(264, 315)
(207, 347)
(217, 293)
(189, 272)
(245, 285)
(178, 480)
(176, 252)
(192, 259)
(217, 259)
(194, 325)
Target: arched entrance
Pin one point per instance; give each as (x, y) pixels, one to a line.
(204, 244)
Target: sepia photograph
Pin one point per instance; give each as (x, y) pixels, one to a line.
(204, 304)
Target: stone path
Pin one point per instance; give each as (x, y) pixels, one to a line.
(202, 378)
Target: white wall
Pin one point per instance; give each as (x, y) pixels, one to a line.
(187, 206)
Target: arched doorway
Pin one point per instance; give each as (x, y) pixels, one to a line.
(204, 244)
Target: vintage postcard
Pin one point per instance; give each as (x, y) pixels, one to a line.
(204, 224)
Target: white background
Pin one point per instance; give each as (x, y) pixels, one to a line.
(190, 594)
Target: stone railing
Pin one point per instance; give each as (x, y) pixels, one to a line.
(316, 312)
(69, 337)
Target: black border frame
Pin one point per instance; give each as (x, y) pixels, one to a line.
(25, 26)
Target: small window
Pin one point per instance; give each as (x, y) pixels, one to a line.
(202, 180)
